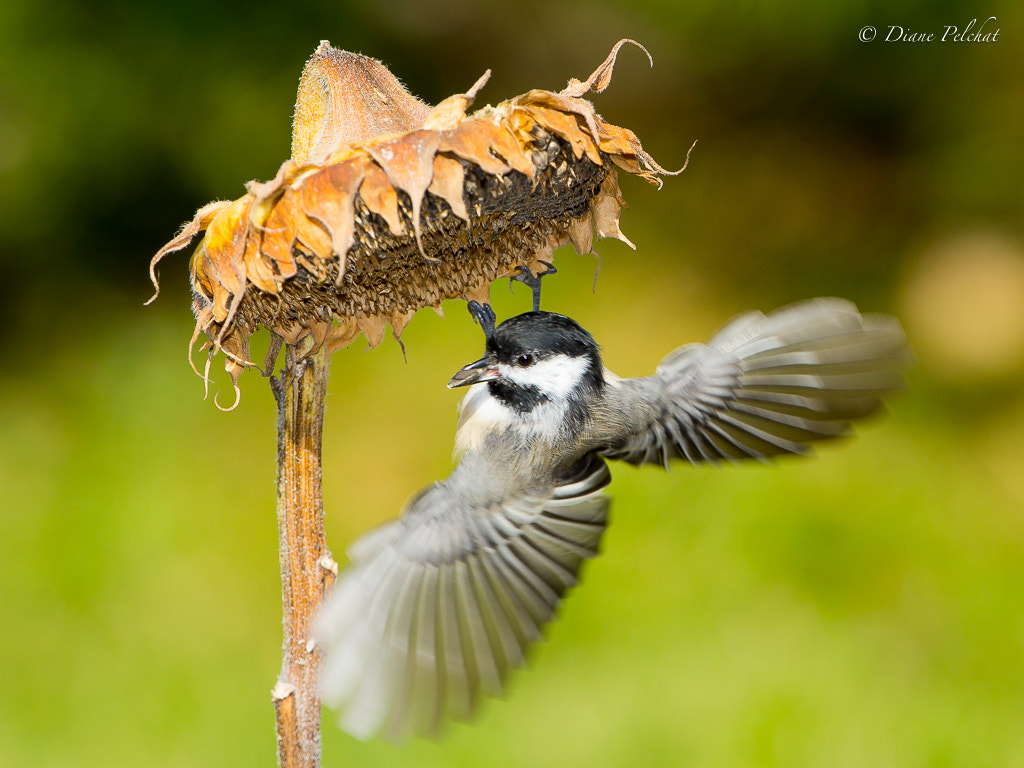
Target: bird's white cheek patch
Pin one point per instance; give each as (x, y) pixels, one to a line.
(555, 376)
(482, 414)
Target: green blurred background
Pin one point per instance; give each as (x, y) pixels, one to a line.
(865, 608)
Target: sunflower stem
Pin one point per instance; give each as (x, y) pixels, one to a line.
(300, 392)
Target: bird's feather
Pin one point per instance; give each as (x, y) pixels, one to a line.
(441, 605)
(763, 386)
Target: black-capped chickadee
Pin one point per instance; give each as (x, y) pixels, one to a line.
(440, 605)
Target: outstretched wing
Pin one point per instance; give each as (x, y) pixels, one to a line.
(440, 605)
(764, 385)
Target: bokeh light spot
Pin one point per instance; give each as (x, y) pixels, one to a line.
(964, 306)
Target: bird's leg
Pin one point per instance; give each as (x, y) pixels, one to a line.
(484, 316)
(527, 277)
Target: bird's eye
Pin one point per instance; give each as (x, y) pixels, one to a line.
(524, 360)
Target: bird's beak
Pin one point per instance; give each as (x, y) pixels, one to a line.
(483, 369)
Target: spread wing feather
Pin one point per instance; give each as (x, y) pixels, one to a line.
(441, 605)
(764, 385)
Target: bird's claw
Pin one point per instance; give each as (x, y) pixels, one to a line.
(528, 278)
(483, 315)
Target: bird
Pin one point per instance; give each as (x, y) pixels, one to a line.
(439, 606)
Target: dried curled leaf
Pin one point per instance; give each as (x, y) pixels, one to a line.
(388, 206)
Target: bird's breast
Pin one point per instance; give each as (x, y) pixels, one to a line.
(480, 415)
(483, 415)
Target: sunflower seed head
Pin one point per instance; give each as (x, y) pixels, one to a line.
(388, 206)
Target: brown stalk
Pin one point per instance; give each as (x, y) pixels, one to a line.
(306, 566)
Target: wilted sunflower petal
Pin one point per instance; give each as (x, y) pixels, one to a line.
(328, 198)
(449, 184)
(224, 246)
(191, 228)
(450, 112)
(474, 141)
(409, 164)
(372, 328)
(581, 233)
(380, 197)
(601, 77)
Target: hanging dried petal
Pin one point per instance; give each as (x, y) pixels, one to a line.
(342, 335)
(327, 198)
(602, 76)
(380, 197)
(372, 328)
(450, 112)
(449, 184)
(409, 164)
(606, 207)
(581, 233)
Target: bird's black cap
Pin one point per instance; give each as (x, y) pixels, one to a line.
(541, 333)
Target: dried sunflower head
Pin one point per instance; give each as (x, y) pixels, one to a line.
(388, 205)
